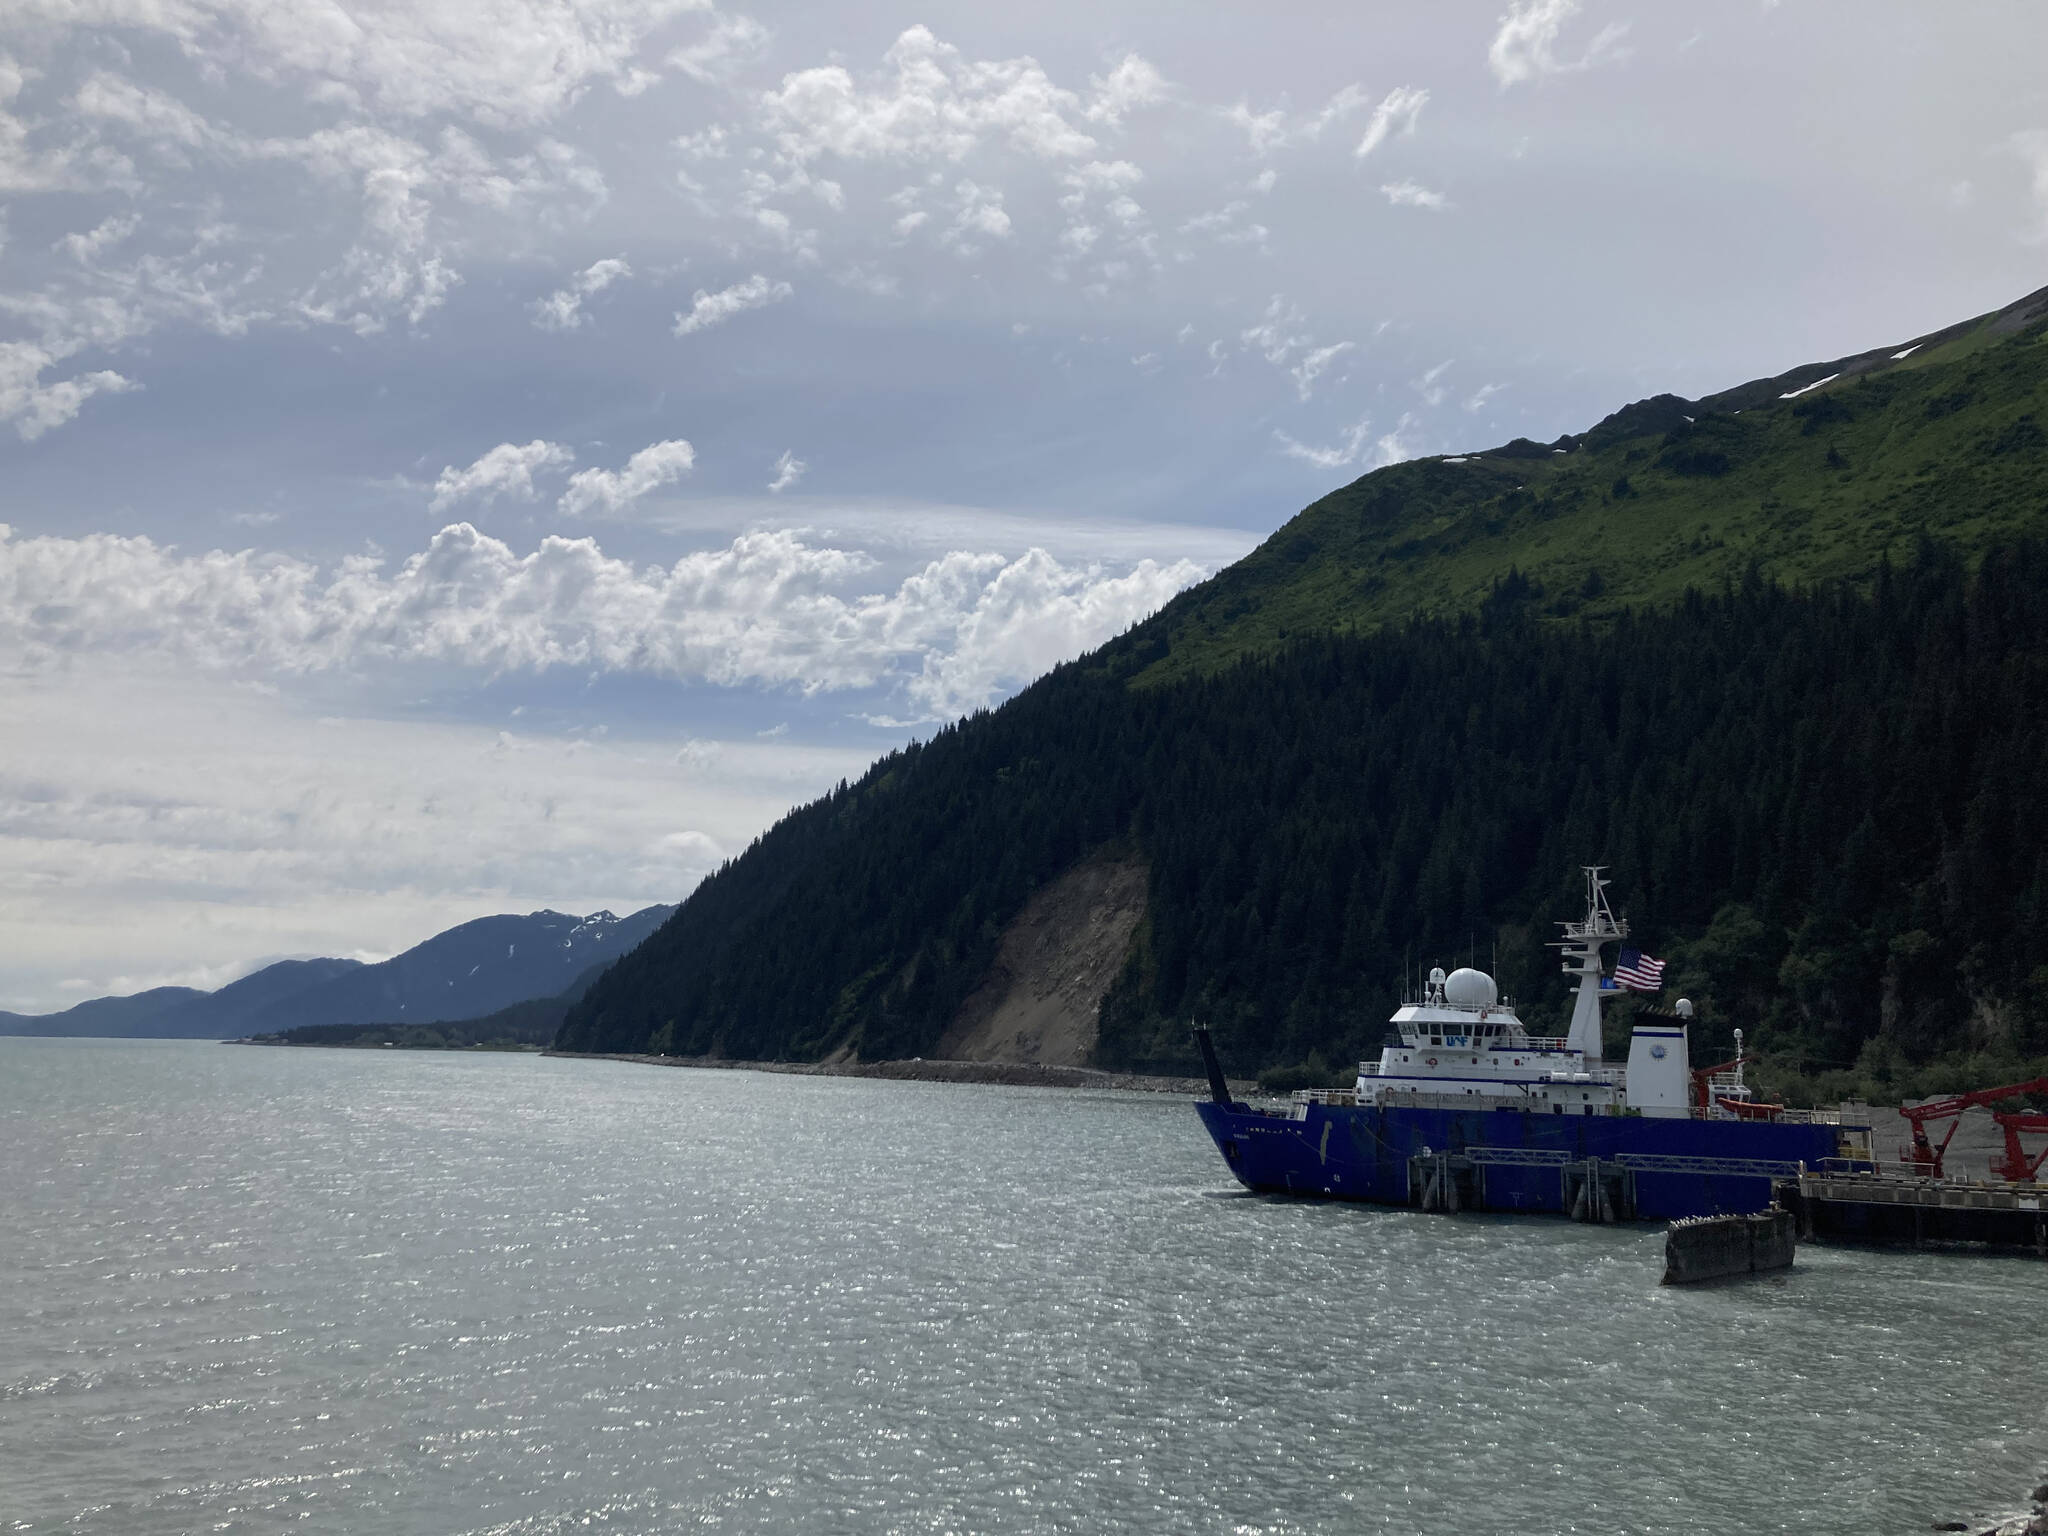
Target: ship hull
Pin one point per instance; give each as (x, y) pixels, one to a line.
(1598, 1167)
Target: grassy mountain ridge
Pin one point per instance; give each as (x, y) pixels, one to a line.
(1949, 440)
(1806, 733)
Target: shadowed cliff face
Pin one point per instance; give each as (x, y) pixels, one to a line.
(1043, 996)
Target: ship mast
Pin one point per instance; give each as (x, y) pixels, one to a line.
(1581, 946)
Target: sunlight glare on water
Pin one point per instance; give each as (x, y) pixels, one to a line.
(249, 1290)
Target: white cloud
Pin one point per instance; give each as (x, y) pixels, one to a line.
(1266, 132)
(1132, 84)
(1282, 338)
(978, 215)
(788, 470)
(709, 309)
(511, 63)
(1431, 387)
(90, 245)
(2032, 147)
(391, 107)
(1399, 108)
(767, 609)
(35, 407)
(139, 847)
(562, 310)
(1407, 194)
(1028, 616)
(1314, 362)
(933, 104)
(507, 470)
(732, 43)
(1389, 449)
(1476, 401)
(1525, 46)
(654, 466)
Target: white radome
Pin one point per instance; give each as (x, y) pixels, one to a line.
(1467, 988)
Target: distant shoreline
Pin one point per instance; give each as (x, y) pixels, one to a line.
(1013, 1074)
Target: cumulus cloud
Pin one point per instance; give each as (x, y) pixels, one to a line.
(788, 470)
(1398, 109)
(930, 104)
(513, 63)
(35, 407)
(507, 470)
(562, 310)
(769, 608)
(654, 466)
(421, 123)
(1525, 46)
(709, 309)
(1132, 84)
(1026, 617)
(1408, 194)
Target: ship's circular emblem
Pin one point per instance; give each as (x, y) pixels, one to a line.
(1657, 1051)
(1431, 1062)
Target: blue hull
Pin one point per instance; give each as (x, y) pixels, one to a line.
(1510, 1160)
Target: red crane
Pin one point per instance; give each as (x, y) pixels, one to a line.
(2016, 1167)
(1924, 1156)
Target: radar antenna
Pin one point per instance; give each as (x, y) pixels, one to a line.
(1581, 945)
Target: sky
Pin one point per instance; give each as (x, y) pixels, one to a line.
(467, 456)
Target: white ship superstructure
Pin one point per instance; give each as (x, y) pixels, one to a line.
(1461, 1041)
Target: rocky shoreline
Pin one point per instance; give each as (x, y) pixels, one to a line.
(1012, 1074)
(2035, 1524)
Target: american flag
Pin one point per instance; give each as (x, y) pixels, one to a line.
(1638, 972)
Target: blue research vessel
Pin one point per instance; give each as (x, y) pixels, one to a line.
(1469, 1111)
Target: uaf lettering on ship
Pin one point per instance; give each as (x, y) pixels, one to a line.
(1469, 1111)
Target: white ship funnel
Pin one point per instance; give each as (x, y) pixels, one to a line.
(1659, 1070)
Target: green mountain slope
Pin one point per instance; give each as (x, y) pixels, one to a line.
(1870, 454)
(1824, 804)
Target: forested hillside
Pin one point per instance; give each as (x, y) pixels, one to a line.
(1827, 808)
(1817, 473)
(1818, 776)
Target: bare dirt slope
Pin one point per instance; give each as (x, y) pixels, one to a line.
(1057, 958)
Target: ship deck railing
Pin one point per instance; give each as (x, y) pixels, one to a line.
(1849, 1116)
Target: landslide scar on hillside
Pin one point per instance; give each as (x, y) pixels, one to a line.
(1041, 999)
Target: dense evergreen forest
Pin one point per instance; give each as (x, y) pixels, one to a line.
(1826, 807)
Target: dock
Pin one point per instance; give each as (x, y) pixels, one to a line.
(1907, 1211)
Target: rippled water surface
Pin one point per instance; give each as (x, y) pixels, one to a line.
(251, 1290)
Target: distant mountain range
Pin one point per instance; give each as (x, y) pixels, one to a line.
(468, 971)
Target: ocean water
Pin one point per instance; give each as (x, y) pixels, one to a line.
(248, 1290)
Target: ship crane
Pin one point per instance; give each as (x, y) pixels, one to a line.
(1923, 1155)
